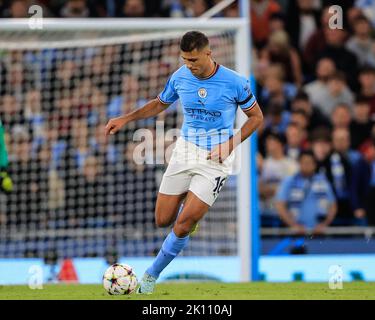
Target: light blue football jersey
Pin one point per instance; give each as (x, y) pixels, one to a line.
(209, 104)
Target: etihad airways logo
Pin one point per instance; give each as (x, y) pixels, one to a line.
(204, 112)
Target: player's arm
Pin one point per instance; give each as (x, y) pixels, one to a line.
(149, 110)
(253, 122)
(255, 119)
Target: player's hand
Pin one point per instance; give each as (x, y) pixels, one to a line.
(6, 183)
(220, 152)
(115, 125)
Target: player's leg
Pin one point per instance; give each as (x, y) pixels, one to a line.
(173, 188)
(194, 209)
(167, 207)
(202, 194)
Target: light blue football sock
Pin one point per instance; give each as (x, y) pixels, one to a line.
(171, 247)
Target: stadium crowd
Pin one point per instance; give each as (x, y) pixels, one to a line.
(316, 86)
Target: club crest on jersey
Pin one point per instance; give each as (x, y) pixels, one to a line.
(202, 92)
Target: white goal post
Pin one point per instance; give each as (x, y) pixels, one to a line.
(117, 30)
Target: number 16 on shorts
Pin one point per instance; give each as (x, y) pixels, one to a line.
(219, 184)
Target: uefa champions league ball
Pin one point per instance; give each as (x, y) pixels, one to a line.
(119, 279)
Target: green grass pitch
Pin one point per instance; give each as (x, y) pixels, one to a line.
(200, 291)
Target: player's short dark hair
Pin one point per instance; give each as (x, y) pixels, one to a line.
(193, 40)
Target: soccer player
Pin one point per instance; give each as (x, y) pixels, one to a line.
(202, 159)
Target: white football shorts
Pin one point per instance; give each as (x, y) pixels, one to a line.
(189, 170)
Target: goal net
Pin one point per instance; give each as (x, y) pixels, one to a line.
(76, 192)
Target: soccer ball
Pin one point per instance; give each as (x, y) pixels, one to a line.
(119, 279)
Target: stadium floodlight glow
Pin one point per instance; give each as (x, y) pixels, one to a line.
(232, 48)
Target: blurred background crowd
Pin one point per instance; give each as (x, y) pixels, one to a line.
(315, 85)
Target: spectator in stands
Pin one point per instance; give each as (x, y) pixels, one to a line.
(16, 82)
(75, 9)
(325, 68)
(29, 197)
(305, 201)
(367, 87)
(34, 114)
(276, 120)
(295, 140)
(107, 152)
(302, 21)
(352, 14)
(345, 60)
(261, 11)
(49, 186)
(321, 146)
(86, 201)
(368, 8)
(136, 189)
(11, 112)
(231, 11)
(64, 81)
(99, 69)
(17, 9)
(97, 110)
(315, 117)
(370, 197)
(134, 9)
(277, 22)
(103, 9)
(62, 115)
(316, 43)
(341, 116)
(278, 50)
(275, 90)
(348, 175)
(128, 99)
(56, 193)
(361, 43)
(300, 118)
(361, 124)
(337, 93)
(56, 143)
(274, 168)
(270, 90)
(76, 150)
(83, 99)
(194, 8)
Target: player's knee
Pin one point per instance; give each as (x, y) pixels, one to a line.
(184, 227)
(162, 222)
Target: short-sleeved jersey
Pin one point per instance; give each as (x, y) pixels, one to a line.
(306, 199)
(209, 104)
